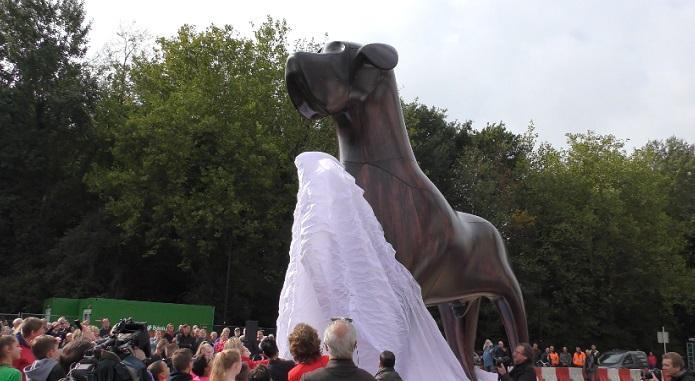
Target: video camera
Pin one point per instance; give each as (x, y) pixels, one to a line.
(112, 358)
(652, 374)
(125, 335)
(506, 361)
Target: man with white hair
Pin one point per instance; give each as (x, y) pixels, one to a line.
(340, 338)
(16, 324)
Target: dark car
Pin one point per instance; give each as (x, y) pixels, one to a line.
(623, 359)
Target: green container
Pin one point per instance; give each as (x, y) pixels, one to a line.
(156, 315)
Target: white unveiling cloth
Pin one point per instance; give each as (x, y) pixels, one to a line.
(342, 266)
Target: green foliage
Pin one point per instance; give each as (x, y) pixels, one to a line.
(202, 162)
(46, 102)
(141, 177)
(675, 160)
(601, 240)
(595, 243)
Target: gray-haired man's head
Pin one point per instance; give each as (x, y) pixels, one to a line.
(341, 339)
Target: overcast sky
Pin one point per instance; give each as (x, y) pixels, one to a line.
(621, 67)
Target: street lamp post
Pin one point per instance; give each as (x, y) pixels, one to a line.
(229, 267)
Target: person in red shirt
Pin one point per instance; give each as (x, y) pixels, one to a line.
(219, 344)
(651, 360)
(236, 344)
(305, 347)
(31, 329)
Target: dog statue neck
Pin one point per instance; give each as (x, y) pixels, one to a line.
(371, 129)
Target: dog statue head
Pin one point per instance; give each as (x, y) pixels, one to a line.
(324, 83)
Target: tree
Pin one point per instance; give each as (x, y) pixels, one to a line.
(675, 159)
(201, 166)
(595, 226)
(47, 98)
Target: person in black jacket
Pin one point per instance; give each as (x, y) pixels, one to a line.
(672, 364)
(523, 368)
(386, 372)
(500, 352)
(277, 367)
(184, 339)
(105, 328)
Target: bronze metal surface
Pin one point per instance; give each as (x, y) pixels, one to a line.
(457, 258)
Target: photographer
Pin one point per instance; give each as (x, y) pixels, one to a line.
(73, 352)
(672, 365)
(523, 368)
(60, 329)
(130, 342)
(500, 351)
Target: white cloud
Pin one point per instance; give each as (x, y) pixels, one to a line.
(621, 67)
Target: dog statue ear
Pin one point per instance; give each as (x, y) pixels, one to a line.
(382, 56)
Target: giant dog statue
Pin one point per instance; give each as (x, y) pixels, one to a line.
(457, 258)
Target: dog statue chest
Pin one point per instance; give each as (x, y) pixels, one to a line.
(408, 209)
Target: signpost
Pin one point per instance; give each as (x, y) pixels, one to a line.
(691, 353)
(662, 337)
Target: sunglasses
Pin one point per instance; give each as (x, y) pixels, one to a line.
(341, 318)
(349, 320)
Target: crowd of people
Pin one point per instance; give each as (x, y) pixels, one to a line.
(522, 359)
(497, 358)
(34, 350)
(587, 359)
(493, 355)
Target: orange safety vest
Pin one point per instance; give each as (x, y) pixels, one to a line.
(554, 359)
(578, 358)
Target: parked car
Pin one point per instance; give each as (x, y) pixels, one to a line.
(623, 359)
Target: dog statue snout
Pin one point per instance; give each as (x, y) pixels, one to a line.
(301, 96)
(321, 84)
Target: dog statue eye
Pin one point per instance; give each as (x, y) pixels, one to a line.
(334, 47)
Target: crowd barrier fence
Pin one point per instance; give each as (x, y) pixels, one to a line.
(578, 374)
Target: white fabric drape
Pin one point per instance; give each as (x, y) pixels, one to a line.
(341, 265)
